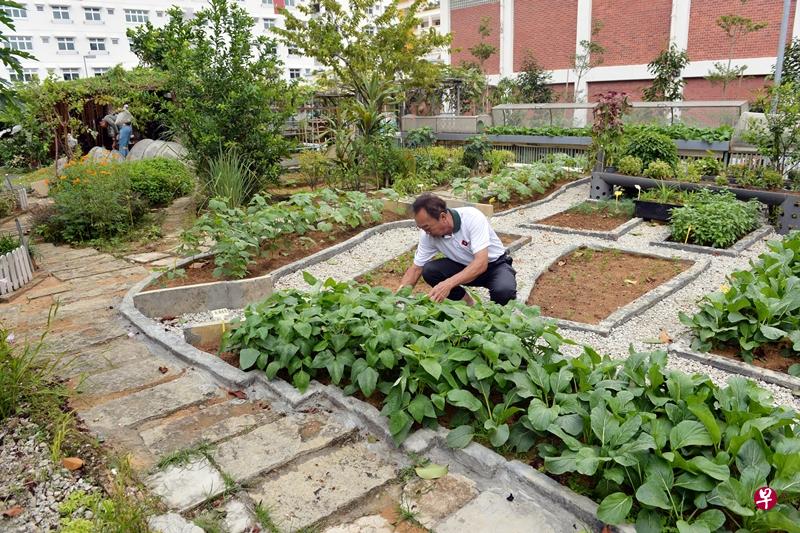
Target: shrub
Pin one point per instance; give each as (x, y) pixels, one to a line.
(630, 166)
(8, 243)
(499, 159)
(714, 219)
(99, 205)
(688, 172)
(770, 179)
(7, 203)
(475, 151)
(160, 180)
(313, 166)
(721, 180)
(742, 175)
(659, 170)
(709, 166)
(650, 146)
(736, 315)
(230, 176)
(419, 138)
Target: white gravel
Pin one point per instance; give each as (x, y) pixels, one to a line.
(544, 248)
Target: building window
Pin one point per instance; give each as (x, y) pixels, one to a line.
(269, 23)
(437, 22)
(65, 44)
(114, 40)
(294, 73)
(16, 12)
(28, 74)
(97, 44)
(293, 51)
(137, 15)
(99, 71)
(60, 12)
(110, 10)
(290, 3)
(70, 73)
(16, 42)
(267, 2)
(307, 72)
(92, 14)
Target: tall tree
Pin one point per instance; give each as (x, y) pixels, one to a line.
(533, 81)
(668, 82)
(735, 27)
(356, 45)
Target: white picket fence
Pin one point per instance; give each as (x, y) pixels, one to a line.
(16, 270)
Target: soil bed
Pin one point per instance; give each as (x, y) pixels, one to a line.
(770, 356)
(290, 250)
(601, 220)
(391, 272)
(517, 201)
(588, 285)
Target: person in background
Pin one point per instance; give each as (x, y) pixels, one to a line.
(125, 133)
(109, 122)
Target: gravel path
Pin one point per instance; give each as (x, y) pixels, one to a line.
(545, 247)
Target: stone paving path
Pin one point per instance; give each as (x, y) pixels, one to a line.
(225, 452)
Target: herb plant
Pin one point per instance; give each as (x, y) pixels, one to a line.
(630, 166)
(714, 219)
(659, 170)
(650, 146)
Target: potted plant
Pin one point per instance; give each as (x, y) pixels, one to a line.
(657, 203)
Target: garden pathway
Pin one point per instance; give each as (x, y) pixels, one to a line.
(226, 451)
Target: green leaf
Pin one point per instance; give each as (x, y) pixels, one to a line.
(303, 329)
(460, 436)
(540, 415)
(420, 407)
(301, 380)
(248, 357)
(695, 482)
(615, 508)
(772, 333)
(704, 415)
(689, 433)
(499, 435)
(751, 455)
(587, 461)
(649, 521)
(367, 380)
(794, 370)
(654, 495)
(431, 471)
(399, 425)
(465, 399)
(432, 367)
(685, 527)
(710, 468)
(272, 369)
(311, 280)
(603, 424)
(482, 371)
(713, 519)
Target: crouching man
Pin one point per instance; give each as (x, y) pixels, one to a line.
(473, 254)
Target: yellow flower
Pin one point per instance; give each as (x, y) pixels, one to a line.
(76, 181)
(724, 288)
(106, 172)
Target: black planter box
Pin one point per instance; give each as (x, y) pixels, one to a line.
(653, 210)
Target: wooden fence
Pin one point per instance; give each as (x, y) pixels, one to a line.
(16, 270)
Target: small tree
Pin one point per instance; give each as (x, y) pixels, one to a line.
(779, 137)
(482, 51)
(791, 63)
(607, 125)
(735, 27)
(532, 83)
(589, 57)
(227, 91)
(8, 56)
(668, 82)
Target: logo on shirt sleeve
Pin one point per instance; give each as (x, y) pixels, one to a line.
(464, 242)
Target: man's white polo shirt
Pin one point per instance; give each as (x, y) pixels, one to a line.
(471, 234)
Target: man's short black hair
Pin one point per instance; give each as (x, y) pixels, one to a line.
(432, 204)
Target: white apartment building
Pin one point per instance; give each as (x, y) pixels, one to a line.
(79, 38)
(430, 15)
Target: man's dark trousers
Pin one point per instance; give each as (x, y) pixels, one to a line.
(499, 278)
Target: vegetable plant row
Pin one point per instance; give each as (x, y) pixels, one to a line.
(674, 131)
(240, 236)
(758, 306)
(522, 182)
(664, 449)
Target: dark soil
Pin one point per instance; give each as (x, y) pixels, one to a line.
(287, 252)
(391, 272)
(771, 356)
(588, 285)
(599, 221)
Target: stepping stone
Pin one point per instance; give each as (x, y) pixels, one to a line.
(135, 375)
(434, 499)
(172, 523)
(270, 446)
(107, 356)
(365, 524)
(146, 257)
(85, 271)
(490, 511)
(238, 518)
(185, 486)
(148, 404)
(322, 485)
(167, 262)
(212, 424)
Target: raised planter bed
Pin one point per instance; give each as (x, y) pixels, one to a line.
(648, 210)
(611, 228)
(595, 315)
(603, 182)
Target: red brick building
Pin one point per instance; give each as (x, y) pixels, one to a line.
(633, 32)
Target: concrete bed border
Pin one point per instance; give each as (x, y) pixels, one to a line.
(549, 198)
(612, 235)
(740, 246)
(682, 348)
(637, 306)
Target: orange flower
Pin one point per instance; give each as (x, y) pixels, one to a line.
(76, 181)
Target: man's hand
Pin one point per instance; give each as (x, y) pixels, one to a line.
(440, 291)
